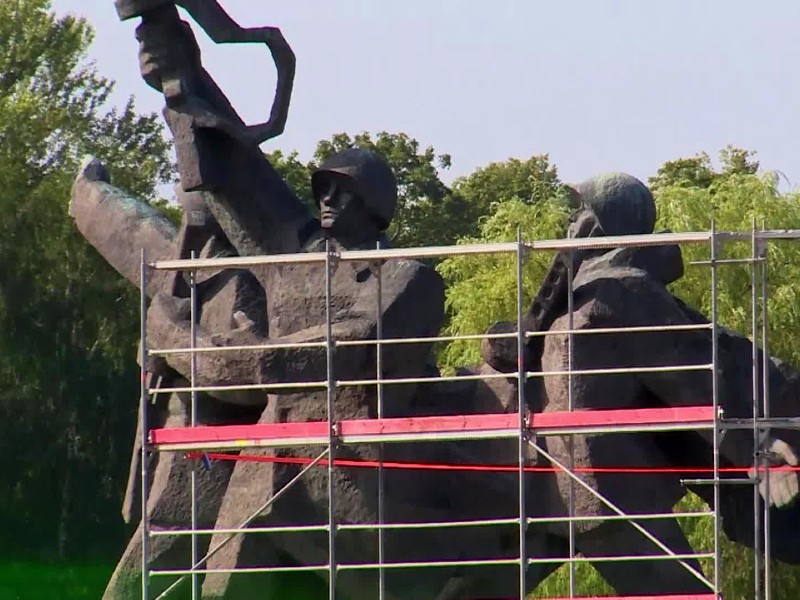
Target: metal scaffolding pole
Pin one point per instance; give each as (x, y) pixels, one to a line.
(193, 420)
(521, 426)
(763, 255)
(754, 328)
(330, 397)
(571, 407)
(236, 531)
(668, 553)
(521, 409)
(381, 448)
(143, 400)
(714, 241)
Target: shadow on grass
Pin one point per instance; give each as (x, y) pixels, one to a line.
(44, 580)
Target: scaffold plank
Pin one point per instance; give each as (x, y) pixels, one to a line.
(630, 419)
(481, 426)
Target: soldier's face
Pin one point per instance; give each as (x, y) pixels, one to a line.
(340, 210)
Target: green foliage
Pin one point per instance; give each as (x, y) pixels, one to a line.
(737, 198)
(38, 580)
(529, 181)
(68, 323)
(698, 171)
(736, 202)
(482, 289)
(295, 173)
(501, 199)
(588, 583)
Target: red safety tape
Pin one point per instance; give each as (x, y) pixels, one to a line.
(371, 464)
(668, 597)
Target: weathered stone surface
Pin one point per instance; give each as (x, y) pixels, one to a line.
(241, 205)
(625, 287)
(120, 226)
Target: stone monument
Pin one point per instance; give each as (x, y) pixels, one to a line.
(234, 203)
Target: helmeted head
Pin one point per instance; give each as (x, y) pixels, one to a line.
(361, 173)
(622, 204)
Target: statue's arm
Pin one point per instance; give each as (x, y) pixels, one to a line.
(168, 327)
(412, 307)
(119, 225)
(683, 349)
(216, 151)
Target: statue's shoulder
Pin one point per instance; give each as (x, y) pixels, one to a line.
(597, 273)
(412, 268)
(412, 274)
(616, 286)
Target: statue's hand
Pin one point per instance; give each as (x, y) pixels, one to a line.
(168, 54)
(243, 332)
(501, 353)
(168, 322)
(93, 169)
(783, 485)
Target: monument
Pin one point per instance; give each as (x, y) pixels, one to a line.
(235, 203)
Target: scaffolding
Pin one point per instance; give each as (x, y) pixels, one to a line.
(523, 427)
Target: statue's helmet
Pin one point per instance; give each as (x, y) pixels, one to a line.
(367, 174)
(623, 204)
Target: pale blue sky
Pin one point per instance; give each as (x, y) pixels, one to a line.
(599, 85)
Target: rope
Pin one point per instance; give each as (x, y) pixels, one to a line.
(371, 464)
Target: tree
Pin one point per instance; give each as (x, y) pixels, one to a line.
(295, 173)
(737, 197)
(68, 324)
(530, 181)
(502, 199)
(698, 172)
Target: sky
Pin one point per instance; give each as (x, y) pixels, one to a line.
(611, 85)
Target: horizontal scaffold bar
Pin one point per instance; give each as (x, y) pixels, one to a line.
(650, 239)
(480, 562)
(619, 241)
(481, 426)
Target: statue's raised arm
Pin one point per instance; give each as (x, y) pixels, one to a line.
(217, 152)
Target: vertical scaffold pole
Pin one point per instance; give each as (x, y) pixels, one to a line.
(715, 404)
(763, 254)
(571, 407)
(521, 402)
(331, 393)
(143, 399)
(193, 422)
(379, 378)
(754, 294)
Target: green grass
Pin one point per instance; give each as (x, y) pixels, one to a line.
(59, 581)
(21, 580)
(52, 581)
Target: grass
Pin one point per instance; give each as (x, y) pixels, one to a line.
(28, 580)
(21, 580)
(52, 581)
(59, 581)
